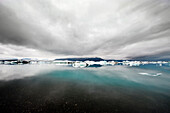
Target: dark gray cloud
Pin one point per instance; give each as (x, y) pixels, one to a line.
(110, 29)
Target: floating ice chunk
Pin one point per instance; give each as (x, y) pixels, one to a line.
(144, 73)
(148, 74)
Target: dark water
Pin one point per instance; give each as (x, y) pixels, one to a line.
(109, 89)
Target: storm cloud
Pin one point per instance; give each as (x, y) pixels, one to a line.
(123, 29)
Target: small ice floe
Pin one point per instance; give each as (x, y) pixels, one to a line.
(79, 64)
(149, 74)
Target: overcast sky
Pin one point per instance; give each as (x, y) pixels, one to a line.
(117, 29)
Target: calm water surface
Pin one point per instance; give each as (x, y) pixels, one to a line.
(108, 89)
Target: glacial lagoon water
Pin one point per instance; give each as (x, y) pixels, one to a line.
(107, 89)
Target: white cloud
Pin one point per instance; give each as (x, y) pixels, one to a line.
(14, 51)
(87, 28)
